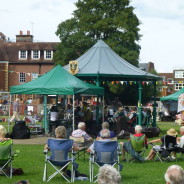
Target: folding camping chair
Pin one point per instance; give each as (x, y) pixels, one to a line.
(138, 146)
(104, 153)
(163, 153)
(59, 159)
(6, 157)
(82, 146)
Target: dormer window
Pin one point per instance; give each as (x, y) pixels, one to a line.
(179, 74)
(22, 54)
(48, 54)
(35, 54)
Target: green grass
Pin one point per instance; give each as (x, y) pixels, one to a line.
(31, 160)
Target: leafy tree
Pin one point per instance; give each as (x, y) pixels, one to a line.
(113, 21)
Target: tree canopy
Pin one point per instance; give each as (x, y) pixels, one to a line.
(113, 21)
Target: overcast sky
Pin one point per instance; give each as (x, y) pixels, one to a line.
(162, 27)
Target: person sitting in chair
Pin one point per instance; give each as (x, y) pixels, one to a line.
(80, 132)
(3, 133)
(135, 144)
(105, 125)
(181, 139)
(105, 136)
(60, 133)
(171, 134)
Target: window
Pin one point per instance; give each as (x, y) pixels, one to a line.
(170, 81)
(22, 54)
(34, 76)
(178, 86)
(179, 74)
(48, 54)
(22, 77)
(35, 54)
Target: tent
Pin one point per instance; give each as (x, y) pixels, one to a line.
(101, 63)
(56, 82)
(173, 96)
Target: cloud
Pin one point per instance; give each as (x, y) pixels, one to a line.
(163, 9)
(4, 11)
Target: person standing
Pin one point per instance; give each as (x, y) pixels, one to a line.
(16, 111)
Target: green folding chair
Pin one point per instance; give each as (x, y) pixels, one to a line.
(138, 145)
(6, 157)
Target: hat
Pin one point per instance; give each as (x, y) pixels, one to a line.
(172, 132)
(120, 108)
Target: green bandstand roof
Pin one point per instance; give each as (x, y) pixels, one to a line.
(101, 61)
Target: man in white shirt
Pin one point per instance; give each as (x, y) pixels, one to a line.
(181, 143)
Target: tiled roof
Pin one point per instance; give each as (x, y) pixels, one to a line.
(9, 50)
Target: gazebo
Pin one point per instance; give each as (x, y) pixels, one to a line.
(101, 63)
(56, 82)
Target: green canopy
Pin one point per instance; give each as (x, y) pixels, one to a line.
(56, 82)
(100, 61)
(173, 96)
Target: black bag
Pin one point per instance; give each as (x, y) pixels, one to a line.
(20, 131)
(165, 153)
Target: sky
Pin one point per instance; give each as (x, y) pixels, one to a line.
(162, 26)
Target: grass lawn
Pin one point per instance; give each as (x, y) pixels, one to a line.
(31, 160)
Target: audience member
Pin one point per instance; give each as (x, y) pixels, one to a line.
(105, 136)
(60, 133)
(105, 125)
(3, 133)
(108, 175)
(174, 175)
(171, 132)
(16, 110)
(138, 134)
(81, 132)
(53, 118)
(181, 142)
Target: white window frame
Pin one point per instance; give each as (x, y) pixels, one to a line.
(35, 54)
(170, 81)
(46, 54)
(34, 76)
(178, 86)
(22, 77)
(21, 54)
(179, 74)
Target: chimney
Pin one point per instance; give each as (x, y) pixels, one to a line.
(24, 37)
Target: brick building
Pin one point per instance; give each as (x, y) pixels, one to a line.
(172, 82)
(23, 60)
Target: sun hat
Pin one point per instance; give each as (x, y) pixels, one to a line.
(172, 132)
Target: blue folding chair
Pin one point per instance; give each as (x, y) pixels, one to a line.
(59, 159)
(104, 153)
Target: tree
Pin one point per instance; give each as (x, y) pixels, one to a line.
(113, 21)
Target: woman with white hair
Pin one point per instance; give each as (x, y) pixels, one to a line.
(174, 175)
(108, 175)
(3, 133)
